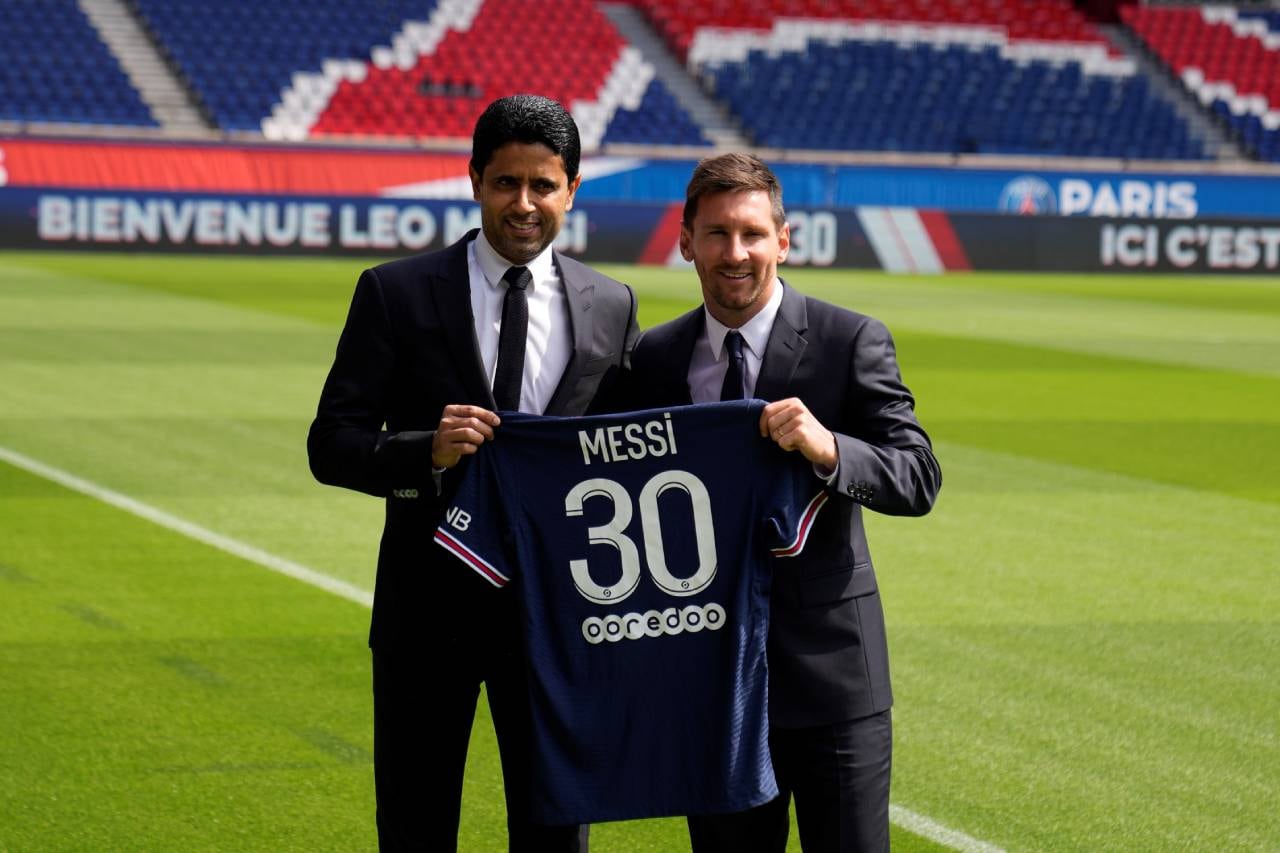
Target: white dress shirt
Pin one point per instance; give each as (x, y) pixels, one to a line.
(710, 361)
(550, 341)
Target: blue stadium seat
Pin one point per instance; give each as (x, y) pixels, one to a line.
(956, 99)
(658, 120)
(54, 67)
(1251, 132)
(239, 55)
(1270, 16)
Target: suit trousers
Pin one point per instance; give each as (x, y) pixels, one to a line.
(424, 704)
(839, 776)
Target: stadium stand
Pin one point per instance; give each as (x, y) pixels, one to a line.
(1229, 58)
(657, 120)
(992, 77)
(407, 68)
(238, 55)
(875, 96)
(55, 68)
(1009, 77)
(442, 93)
(1052, 21)
(441, 90)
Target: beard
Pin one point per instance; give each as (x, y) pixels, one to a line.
(516, 247)
(734, 296)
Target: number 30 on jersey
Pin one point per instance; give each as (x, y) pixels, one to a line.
(613, 534)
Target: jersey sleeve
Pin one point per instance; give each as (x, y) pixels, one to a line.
(799, 498)
(474, 524)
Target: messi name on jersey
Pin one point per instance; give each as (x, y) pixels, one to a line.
(620, 442)
(643, 545)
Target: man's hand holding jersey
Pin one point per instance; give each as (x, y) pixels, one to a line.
(461, 431)
(793, 427)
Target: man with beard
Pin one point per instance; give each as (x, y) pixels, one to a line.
(839, 403)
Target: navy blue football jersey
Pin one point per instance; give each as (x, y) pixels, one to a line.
(641, 546)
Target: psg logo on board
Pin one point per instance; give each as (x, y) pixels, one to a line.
(1028, 195)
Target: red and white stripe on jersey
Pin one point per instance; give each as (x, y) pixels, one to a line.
(802, 530)
(471, 558)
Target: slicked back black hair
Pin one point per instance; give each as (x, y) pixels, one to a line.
(526, 119)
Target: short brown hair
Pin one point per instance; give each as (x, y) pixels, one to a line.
(733, 173)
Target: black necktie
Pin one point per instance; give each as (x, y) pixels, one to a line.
(508, 374)
(733, 377)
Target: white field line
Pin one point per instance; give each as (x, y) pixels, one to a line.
(194, 531)
(905, 818)
(938, 833)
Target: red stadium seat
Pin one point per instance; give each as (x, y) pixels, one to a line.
(1195, 38)
(473, 61)
(1053, 21)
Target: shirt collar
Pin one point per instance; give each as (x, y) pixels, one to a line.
(494, 266)
(755, 332)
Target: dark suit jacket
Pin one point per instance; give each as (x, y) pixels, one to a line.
(409, 349)
(828, 658)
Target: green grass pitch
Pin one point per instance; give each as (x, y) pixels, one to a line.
(1083, 633)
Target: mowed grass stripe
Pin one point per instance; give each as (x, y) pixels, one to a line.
(1208, 429)
(156, 694)
(188, 404)
(235, 548)
(1226, 322)
(1077, 654)
(1241, 294)
(1226, 336)
(317, 290)
(1013, 541)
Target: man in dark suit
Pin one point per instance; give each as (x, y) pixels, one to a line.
(838, 401)
(433, 346)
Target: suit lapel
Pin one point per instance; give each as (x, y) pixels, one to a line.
(452, 293)
(786, 346)
(678, 355)
(580, 294)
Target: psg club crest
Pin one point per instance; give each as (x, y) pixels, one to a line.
(1028, 195)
